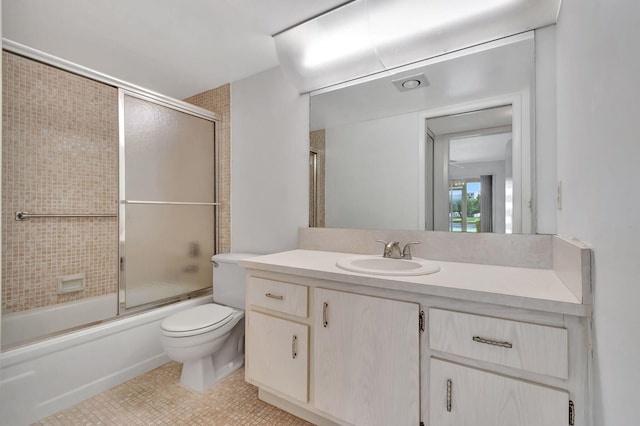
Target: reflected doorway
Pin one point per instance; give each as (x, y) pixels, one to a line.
(472, 163)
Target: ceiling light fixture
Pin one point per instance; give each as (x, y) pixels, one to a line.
(365, 37)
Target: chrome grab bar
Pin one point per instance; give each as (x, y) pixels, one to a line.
(27, 215)
(169, 203)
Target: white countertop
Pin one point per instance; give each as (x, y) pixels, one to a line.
(538, 289)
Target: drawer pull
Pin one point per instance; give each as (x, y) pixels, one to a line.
(294, 346)
(449, 386)
(325, 314)
(274, 296)
(492, 342)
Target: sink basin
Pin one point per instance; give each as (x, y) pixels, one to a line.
(378, 265)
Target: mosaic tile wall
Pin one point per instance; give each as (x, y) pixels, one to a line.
(59, 155)
(317, 143)
(218, 100)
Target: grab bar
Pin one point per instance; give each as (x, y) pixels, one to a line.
(27, 215)
(170, 203)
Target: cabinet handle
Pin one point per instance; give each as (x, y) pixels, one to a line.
(492, 342)
(294, 346)
(274, 296)
(449, 386)
(325, 314)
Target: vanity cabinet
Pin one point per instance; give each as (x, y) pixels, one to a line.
(462, 394)
(380, 351)
(531, 347)
(366, 359)
(465, 396)
(277, 347)
(278, 350)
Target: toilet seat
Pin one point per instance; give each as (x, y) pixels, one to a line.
(198, 320)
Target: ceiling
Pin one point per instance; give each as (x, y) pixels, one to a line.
(479, 149)
(177, 48)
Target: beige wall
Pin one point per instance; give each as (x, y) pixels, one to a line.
(218, 100)
(59, 155)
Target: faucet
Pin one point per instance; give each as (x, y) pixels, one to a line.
(392, 249)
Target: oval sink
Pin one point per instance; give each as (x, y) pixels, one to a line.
(378, 265)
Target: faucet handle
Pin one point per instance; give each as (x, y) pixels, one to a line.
(406, 251)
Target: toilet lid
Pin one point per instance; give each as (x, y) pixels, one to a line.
(197, 320)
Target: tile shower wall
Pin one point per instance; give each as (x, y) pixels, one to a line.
(218, 100)
(59, 155)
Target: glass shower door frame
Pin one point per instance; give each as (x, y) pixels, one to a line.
(182, 107)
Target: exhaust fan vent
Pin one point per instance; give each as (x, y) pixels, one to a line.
(417, 81)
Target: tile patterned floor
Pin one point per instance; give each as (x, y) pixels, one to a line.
(156, 398)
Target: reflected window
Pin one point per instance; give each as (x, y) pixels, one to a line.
(464, 205)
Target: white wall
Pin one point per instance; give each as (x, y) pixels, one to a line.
(0, 174)
(598, 158)
(372, 174)
(545, 131)
(269, 157)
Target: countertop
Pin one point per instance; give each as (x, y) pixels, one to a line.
(538, 289)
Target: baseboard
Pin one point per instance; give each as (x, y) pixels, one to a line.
(294, 409)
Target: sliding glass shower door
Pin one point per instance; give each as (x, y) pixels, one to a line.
(167, 202)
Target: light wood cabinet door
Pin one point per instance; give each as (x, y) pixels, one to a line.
(366, 359)
(278, 354)
(465, 396)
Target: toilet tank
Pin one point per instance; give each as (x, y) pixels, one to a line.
(229, 279)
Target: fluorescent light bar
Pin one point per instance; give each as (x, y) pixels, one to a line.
(369, 36)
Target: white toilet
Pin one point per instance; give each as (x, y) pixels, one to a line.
(209, 339)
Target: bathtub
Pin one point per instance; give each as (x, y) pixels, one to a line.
(42, 378)
(28, 325)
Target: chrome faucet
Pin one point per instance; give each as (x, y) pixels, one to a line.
(392, 249)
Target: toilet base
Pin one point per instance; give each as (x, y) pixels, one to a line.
(201, 374)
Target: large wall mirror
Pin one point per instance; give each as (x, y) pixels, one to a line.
(442, 145)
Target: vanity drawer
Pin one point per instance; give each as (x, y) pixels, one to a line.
(280, 296)
(532, 347)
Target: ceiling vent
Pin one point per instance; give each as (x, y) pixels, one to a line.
(411, 82)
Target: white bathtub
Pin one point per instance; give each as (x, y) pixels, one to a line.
(43, 378)
(28, 325)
